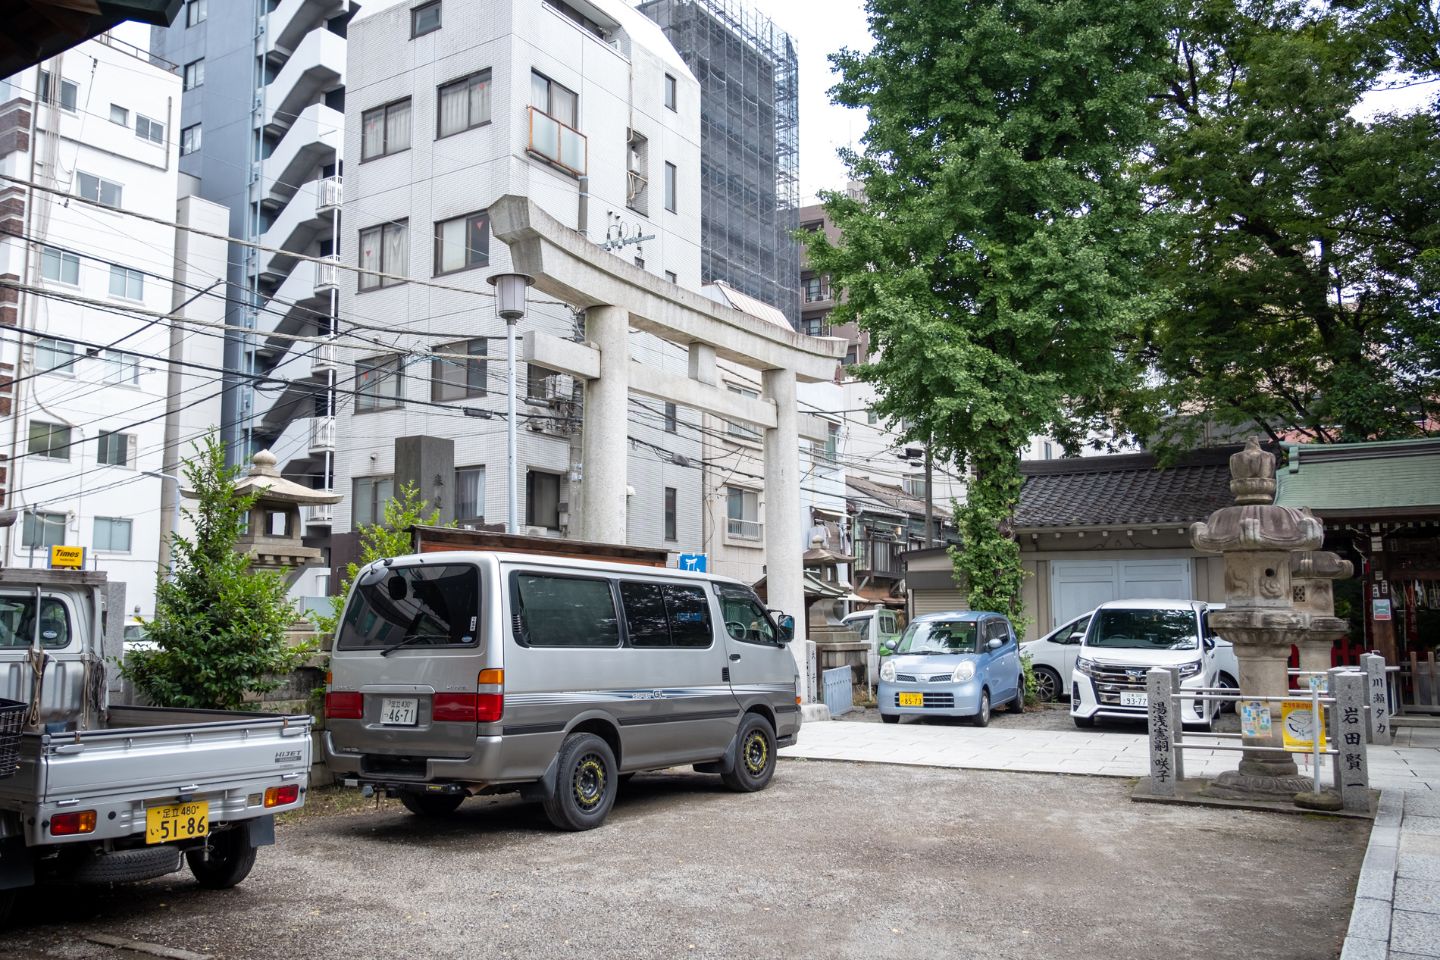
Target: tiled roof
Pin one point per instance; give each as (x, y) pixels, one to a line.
(1123, 490)
(884, 495)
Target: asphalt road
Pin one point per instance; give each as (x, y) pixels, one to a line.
(835, 860)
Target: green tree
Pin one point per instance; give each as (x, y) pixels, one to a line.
(219, 627)
(995, 255)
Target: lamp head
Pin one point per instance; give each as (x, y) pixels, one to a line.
(510, 294)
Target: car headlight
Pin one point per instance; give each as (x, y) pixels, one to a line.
(887, 671)
(966, 671)
(1085, 666)
(1189, 669)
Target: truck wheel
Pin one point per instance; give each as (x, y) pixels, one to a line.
(230, 860)
(585, 784)
(432, 804)
(755, 763)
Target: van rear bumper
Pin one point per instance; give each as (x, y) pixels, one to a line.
(486, 765)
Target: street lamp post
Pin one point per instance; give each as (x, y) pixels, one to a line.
(510, 291)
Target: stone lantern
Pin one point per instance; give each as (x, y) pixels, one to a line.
(1257, 539)
(1312, 574)
(272, 538)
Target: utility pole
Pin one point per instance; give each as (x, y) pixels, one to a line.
(929, 496)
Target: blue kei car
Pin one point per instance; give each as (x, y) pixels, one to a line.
(956, 664)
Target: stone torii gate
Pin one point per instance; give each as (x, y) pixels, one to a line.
(618, 296)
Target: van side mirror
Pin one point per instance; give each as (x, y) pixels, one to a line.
(786, 625)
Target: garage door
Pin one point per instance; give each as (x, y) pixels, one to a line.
(936, 601)
(1080, 585)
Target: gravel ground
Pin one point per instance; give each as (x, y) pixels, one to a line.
(1044, 716)
(835, 860)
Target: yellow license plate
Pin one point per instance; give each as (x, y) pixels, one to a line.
(912, 699)
(179, 821)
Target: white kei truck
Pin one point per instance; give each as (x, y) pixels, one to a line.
(95, 792)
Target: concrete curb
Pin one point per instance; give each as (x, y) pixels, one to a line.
(1369, 935)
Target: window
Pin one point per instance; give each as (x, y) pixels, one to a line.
(871, 417)
(815, 289)
(559, 102)
(190, 139)
(563, 611)
(193, 75)
(462, 243)
(671, 92)
(637, 173)
(464, 103)
(554, 122)
(195, 12)
(385, 130)
(384, 249)
(67, 96)
(147, 129)
(672, 418)
(670, 187)
(49, 440)
(813, 226)
(370, 496)
(113, 534)
(1049, 451)
(540, 383)
(425, 19)
(121, 367)
(59, 265)
(431, 605)
(570, 13)
(665, 615)
(852, 355)
(377, 384)
(126, 283)
(99, 191)
(742, 513)
(742, 431)
(470, 494)
(452, 379)
(812, 325)
(914, 485)
(54, 356)
(115, 449)
(671, 515)
(671, 276)
(1071, 632)
(43, 530)
(119, 114)
(745, 619)
(542, 500)
(832, 442)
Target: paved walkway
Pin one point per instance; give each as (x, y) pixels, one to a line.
(1397, 898)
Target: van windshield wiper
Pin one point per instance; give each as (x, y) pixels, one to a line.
(411, 639)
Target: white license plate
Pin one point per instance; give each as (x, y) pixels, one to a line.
(400, 713)
(1134, 698)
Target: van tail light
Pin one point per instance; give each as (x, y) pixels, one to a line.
(467, 707)
(69, 824)
(280, 796)
(344, 706)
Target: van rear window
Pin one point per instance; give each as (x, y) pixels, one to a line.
(413, 606)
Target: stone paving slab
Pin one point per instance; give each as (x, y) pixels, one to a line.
(1420, 896)
(1415, 933)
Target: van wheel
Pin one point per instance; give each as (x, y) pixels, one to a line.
(982, 719)
(755, 763)
(230, 860)
(585, 784)
(432, 804)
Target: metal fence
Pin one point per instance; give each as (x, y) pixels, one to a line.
(838, 690)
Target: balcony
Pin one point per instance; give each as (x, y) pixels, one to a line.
(324, 358)
(557, 143)
(877, 558)
(317, 65)
(313, 140)
(322, 435)
(328, 194)
(320, 512)
(737, 528)
(291, 20)
(327, 276)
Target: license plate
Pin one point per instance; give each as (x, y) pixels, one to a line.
(1134, 698)
(400, 713)
(912, 699)
(178, 821)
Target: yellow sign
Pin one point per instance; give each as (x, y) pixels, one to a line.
(1299, 726)
(67, 557)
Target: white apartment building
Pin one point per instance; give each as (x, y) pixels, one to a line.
(83, 331)
(585, 108)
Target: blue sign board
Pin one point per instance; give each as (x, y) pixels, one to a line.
(693, 561)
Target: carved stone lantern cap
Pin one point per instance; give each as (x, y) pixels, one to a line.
(263, 479)
(1320, 565)
(1252, 474)
(1255, 523)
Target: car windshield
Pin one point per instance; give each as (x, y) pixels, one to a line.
(412, 606)
(1144, 630)
(939, 636)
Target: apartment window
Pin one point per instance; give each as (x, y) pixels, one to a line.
(542, 499)
(49, 440)
(742, 430)
(195, 12)
(871, 417)
(1049, 451)
(62, 266)
(425, 19)
(193, 75)
(112, 534)
(190, 140)
(462, 243)
(122, 368)
(914, 486)
(67, 96)
(470, 494)
(385, 130)
(116, 449)
(553, 125)
(43, 530)
(852, 355)
(812, 325)
(100, 191)
(832, 442)
(464, 103)
(126, 283)
(384, 249)
(54, 356)
(147, 129)
(557, 101)
(377, 384)
(671, 276)
(671, 515)
(671, 92)
(672, 418)
(369, 499)
(640, 262)
(452, 379)
(119, 114)
(670, 189)
(813, 226)
(742, 513)
(637, 173)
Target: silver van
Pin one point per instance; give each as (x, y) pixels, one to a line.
(469, 672)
